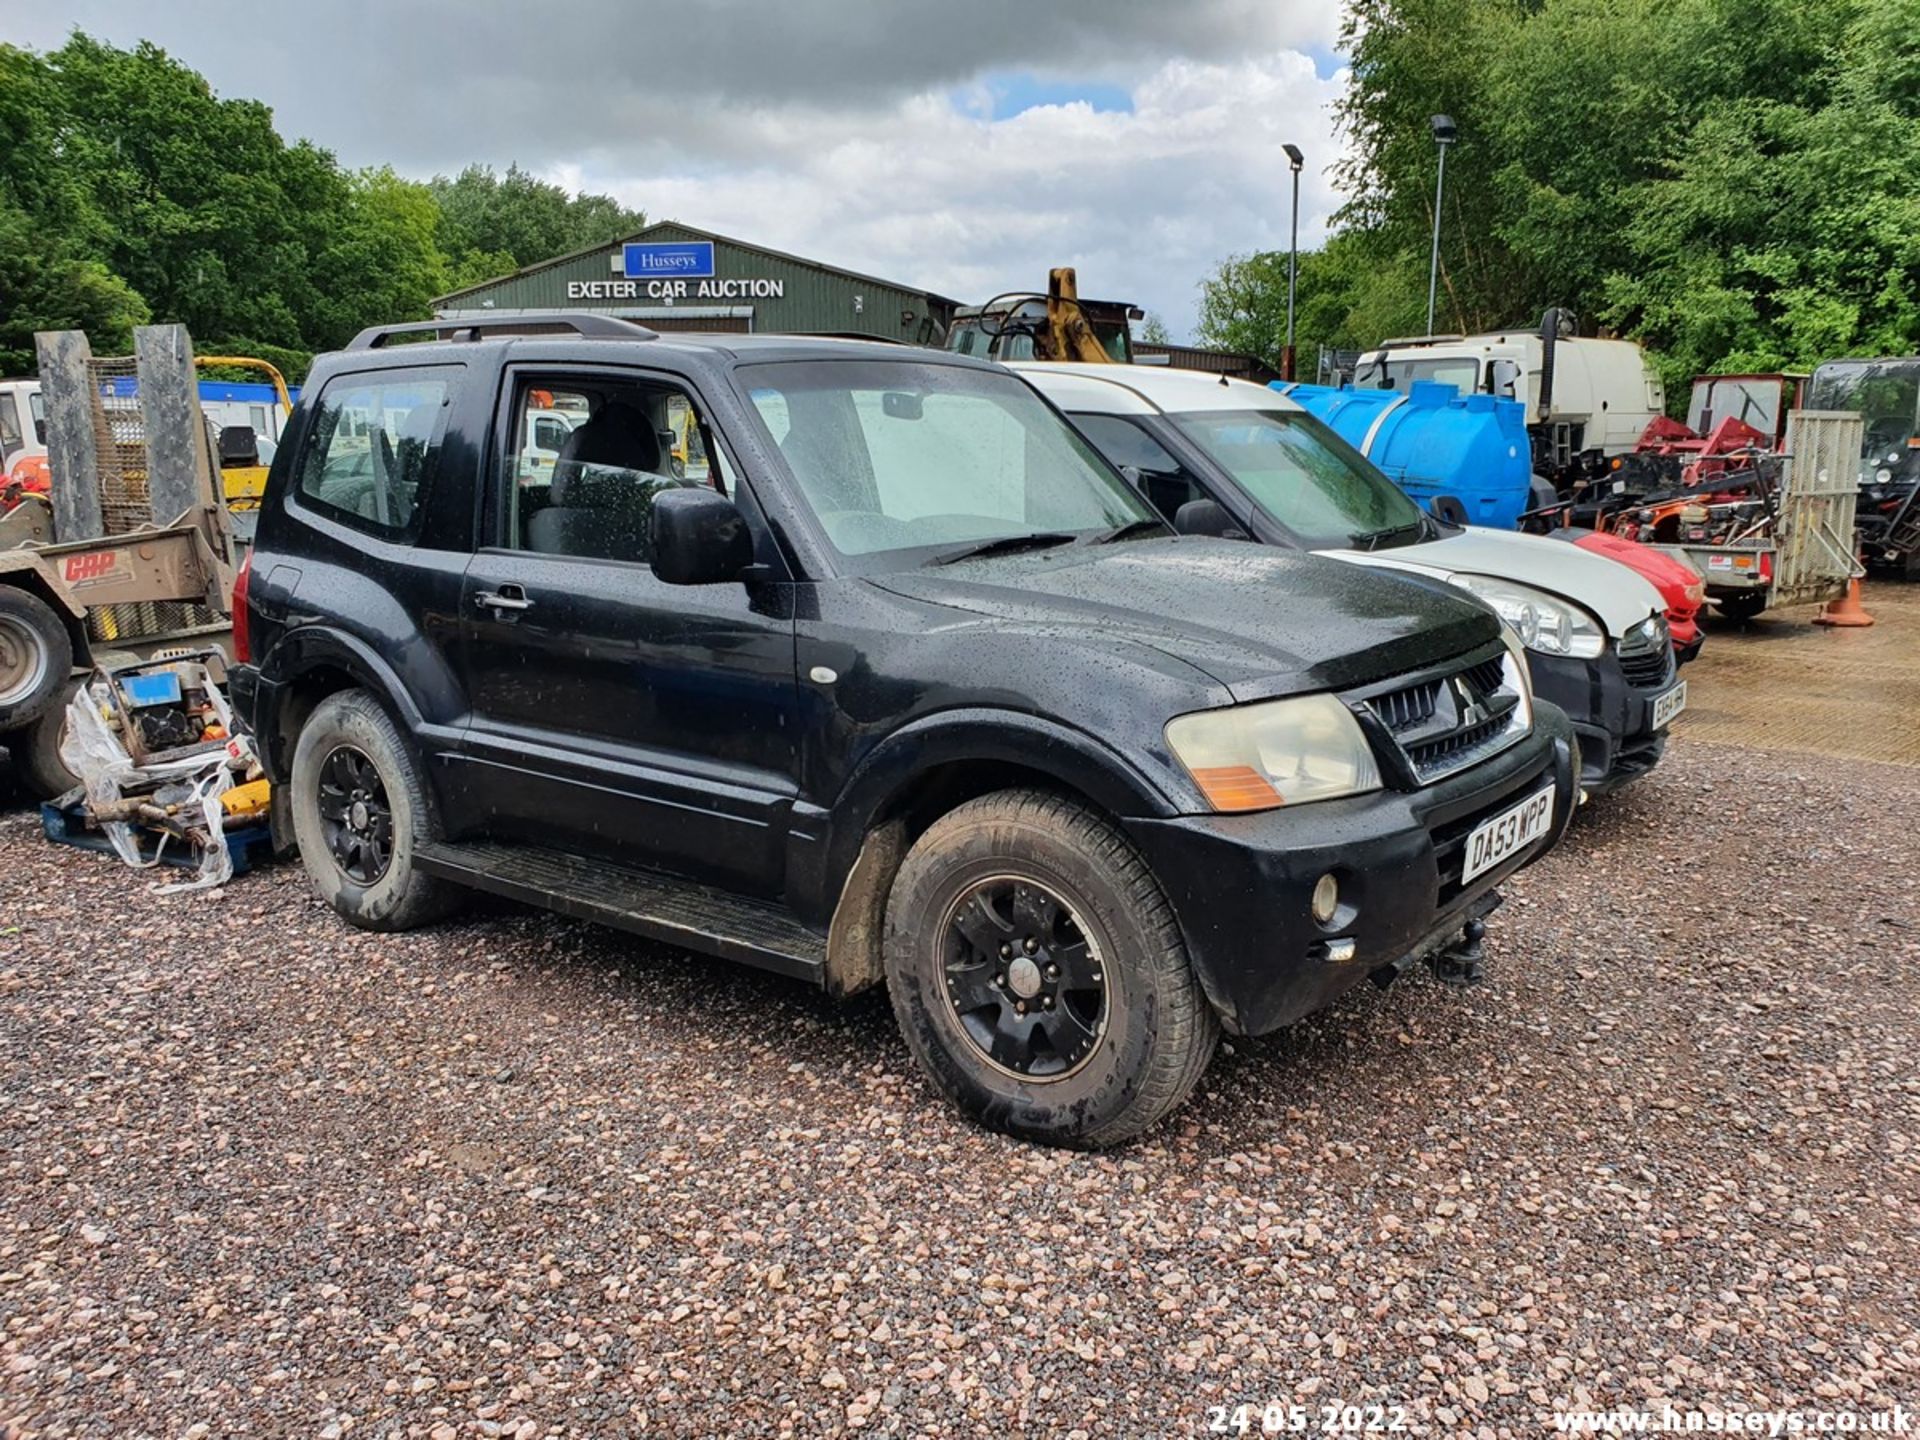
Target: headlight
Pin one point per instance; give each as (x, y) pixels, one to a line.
(1882, 475)
(1543, 622)
(1276, 752)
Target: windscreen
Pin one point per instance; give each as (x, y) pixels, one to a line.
(1885, 392)
(1398, 372)
(900, 461)
(1755, 401)
(1305, 477)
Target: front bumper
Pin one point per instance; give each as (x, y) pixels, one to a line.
(1613, 719)
(1241, 885)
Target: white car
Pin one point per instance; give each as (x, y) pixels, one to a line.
(1225, 457)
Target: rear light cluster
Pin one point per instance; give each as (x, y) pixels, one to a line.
(242, 649)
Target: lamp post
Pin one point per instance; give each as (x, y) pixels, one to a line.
(1296, 160)
(1443, 133)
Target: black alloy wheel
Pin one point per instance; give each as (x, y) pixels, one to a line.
(1026, 982)
(355, 815)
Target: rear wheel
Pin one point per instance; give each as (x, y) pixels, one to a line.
(360, 812)
(35, 748)
(1039, 976)
(36, 657)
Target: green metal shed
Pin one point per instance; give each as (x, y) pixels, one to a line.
(674, 277)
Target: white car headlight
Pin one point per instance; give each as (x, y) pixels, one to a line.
(1275, 752)
(1543, 622)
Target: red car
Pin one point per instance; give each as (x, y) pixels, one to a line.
(1678, 583)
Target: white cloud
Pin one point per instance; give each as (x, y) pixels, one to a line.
(932, 192)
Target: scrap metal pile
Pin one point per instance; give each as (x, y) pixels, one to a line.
(162, 775)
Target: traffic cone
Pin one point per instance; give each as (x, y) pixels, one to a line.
(1847, 611)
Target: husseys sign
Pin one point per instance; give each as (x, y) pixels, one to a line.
(672, 270)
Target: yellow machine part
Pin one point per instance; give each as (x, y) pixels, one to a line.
(245, 484)
(1069, 336)
(248, 799)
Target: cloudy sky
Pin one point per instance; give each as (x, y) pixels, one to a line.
(960, 145)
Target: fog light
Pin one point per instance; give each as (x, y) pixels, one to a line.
(1326, 898)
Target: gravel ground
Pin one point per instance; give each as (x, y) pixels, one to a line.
(261, 1175)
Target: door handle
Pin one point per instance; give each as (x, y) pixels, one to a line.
(507, 597)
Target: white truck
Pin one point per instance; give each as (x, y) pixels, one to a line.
(23, 433)
(1587, 400)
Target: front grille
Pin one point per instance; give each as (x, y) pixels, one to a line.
(1444, 723)
(1646, 655)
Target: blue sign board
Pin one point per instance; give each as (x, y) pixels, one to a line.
(680, 259)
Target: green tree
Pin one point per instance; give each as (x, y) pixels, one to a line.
(485, 216)
(131, 191)
(1786, 230)
(1351, 292)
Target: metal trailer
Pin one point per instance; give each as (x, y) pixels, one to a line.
(1806, 552)
(130, 553)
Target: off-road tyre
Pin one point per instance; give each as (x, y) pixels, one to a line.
(350, 733)
(37, 767)
(36, 657)
(1156, 1031)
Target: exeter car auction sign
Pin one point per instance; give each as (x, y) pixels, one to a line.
(672, 270)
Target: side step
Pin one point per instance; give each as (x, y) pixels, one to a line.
(661, 907)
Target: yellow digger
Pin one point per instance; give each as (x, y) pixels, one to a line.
(1058, 325)
(243, 478)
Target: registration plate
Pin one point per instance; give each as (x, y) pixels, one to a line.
(1507, 833)
(1669, 705)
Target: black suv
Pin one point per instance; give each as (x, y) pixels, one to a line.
(889, 678)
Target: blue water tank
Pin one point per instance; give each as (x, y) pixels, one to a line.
(1431, 440)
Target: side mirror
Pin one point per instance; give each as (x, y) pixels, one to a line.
(1206, 517)
(699, 537)
(1449, 509)
(1131, 474)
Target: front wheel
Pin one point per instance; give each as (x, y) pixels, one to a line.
(1039, 976)
(359, 813)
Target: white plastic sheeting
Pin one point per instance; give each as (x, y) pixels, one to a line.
(94, 751)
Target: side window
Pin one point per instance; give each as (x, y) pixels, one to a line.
(371, 447)
(1165, 483)
(37, 408)
(589, 458)
(10, 438)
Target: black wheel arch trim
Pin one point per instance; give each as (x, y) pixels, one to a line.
(301, 652)
(1072, 758)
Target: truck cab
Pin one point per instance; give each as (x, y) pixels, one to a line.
(23, 435)
(1586, 399)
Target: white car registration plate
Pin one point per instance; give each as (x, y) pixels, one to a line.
(1507, 833)
(1669, 705)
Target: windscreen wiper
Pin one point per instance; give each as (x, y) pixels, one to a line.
(1008, 545)
(1370, 539)
(1145, 525)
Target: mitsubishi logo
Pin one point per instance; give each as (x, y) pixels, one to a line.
(1473, 710)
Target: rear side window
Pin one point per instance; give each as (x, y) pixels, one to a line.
(1165, 480)
(371, 447)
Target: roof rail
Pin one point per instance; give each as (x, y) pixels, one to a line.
(585, 323)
